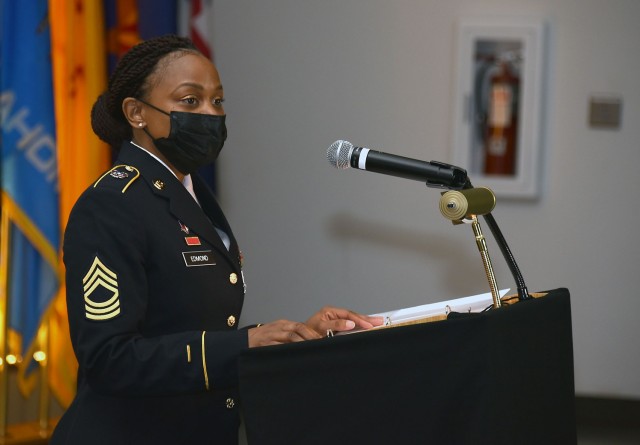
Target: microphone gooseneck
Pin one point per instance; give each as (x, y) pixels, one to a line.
(523, 292)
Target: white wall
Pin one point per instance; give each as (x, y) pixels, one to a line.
(299, 74)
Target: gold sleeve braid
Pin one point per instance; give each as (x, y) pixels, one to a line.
(204, 363)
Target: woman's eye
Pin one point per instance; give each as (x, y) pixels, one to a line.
(218, 102)
(190, 100)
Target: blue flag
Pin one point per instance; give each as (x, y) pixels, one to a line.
(28, 168)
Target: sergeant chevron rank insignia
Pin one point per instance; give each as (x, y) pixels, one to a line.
(101, 297)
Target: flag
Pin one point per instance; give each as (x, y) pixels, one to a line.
(199, 26)
(195, 23)
(128, 22)
(29, 179)
(121, 21)
(157, 18)
(88, 38)
(79, 77)
(81, 55)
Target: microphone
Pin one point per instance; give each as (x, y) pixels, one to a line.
(342, 155)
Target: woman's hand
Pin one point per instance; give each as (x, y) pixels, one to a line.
(279, 332)
(327, 319)
(337, 319)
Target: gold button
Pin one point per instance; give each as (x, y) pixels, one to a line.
(230, 403)
(231, 321)
(233, 278)
(158, 184)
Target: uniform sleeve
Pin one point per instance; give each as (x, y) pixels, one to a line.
(107, 296)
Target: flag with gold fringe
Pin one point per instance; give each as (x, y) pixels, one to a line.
(79, 67)
(88, 36)
(29, 275)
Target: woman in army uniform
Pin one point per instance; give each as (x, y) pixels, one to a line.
(154, 273)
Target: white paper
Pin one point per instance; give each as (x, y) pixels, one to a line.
(474, 303)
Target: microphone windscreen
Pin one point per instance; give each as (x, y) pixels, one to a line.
(339, 154)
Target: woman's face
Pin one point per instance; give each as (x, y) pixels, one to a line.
(183, 82)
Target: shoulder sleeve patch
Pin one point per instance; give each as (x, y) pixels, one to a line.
(101, 297)
(126, 172)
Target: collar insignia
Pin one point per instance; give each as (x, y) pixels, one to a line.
(118, 174)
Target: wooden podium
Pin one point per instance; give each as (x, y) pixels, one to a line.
(503, 376)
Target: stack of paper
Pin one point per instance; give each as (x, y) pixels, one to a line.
(435, 311)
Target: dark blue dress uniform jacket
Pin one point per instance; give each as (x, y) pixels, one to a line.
(153, 319)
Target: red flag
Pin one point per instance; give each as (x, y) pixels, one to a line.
(199, 25)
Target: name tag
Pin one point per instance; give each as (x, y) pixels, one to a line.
(199, 258)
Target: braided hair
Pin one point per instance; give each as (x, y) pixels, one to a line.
(131, 79)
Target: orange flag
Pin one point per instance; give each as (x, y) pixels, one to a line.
(79, 76)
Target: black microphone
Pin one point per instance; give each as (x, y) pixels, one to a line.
(342, 155)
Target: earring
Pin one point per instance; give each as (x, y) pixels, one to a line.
(140, 124)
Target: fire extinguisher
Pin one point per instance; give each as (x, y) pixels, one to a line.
(501, 136)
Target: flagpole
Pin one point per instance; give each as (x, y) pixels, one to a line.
(4, 318)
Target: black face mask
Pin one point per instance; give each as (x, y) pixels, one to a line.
(194, 140)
